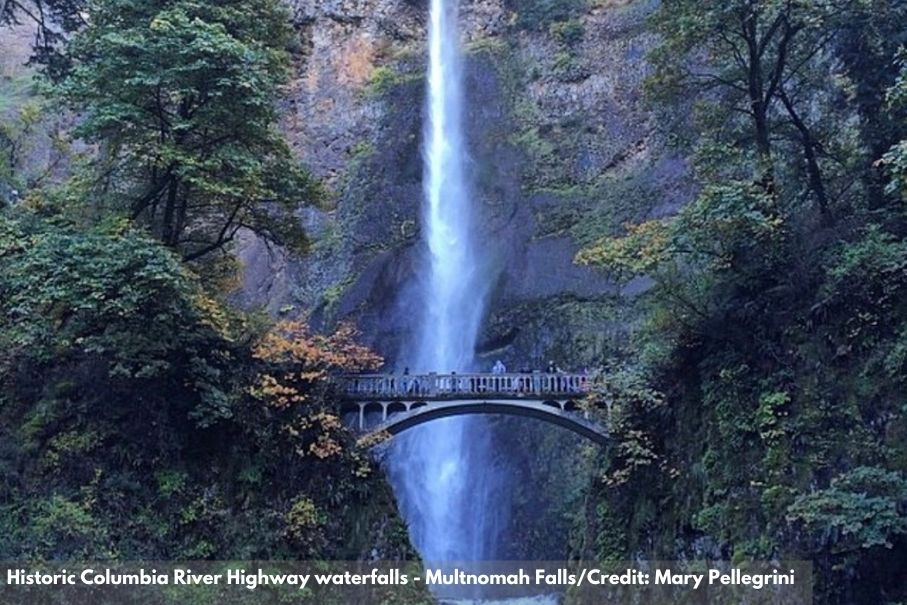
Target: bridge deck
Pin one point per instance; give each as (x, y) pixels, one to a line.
(438, 387)
(392, 403)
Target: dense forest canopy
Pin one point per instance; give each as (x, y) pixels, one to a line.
(144, 419)
(776, 327)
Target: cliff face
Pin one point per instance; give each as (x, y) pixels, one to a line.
(562, 150)
(39, 149)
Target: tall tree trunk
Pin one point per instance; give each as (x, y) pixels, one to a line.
(757, 99)
(181, 215)
(168, 228)
(813, 170)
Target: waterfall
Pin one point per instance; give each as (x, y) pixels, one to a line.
(443, 472)
(452, 491)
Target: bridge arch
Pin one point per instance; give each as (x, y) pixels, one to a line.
(373, 413)
(528, 409)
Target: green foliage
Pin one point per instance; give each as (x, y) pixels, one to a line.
(896, 161)
(142, 418)
(491, 46)
(896, 158)
(776, 324)
(385, 78)
(190, 147)
(61, 525)
(860, 509)
(727, 225)
(112, 296)
(304, 521)
(568, 68)
(624, 399)
(757, 73)
(568, 32)
(136, 419)
(22, 115)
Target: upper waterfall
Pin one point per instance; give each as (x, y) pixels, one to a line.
(453, 299)
(447, 483)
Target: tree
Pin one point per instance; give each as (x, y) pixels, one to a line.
(142, 419)
(180, 96)
(761, 67)
(895, 159)
(861, 509)
(114, 310)
(295, 410)
(780, 348)
(53, 21)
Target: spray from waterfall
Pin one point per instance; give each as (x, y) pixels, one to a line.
(443, 471)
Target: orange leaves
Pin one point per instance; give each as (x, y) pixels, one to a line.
(278, 394)
(298, 360)
(325, 444)
(325, 447)
(317, 434)
(315, 354)
(293, 380)
(373, 439)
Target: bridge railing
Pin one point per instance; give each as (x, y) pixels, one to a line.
(429, 386)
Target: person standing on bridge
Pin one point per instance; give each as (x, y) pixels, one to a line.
(499, 368)
(554, 381)
(409, 385)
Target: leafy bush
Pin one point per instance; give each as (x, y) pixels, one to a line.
(116, 302)
(568, 32)
(139, 418)
(862, 508)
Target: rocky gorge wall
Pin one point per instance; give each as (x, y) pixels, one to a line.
(563, 150)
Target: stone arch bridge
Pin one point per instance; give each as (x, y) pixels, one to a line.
(393, 403)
